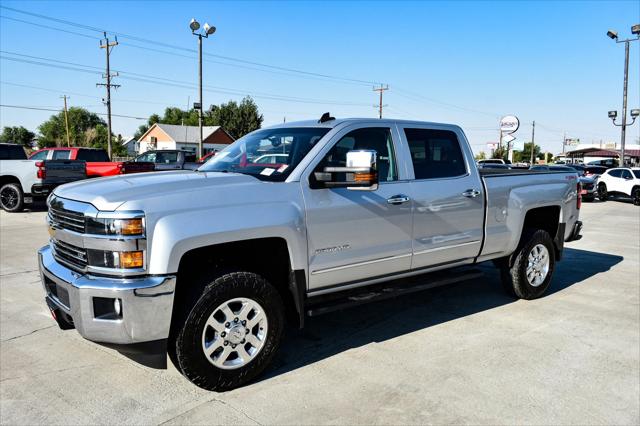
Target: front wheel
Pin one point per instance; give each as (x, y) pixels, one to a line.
(11, 198)
(531, 272)
(635, 196)
(602, 192)
(232, 332)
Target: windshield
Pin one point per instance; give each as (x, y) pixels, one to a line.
(269, 154)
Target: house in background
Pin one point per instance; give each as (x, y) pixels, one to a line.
(172, 136)
(132, 145)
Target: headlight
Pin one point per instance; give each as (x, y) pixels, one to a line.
(115, 259)
(112, 226)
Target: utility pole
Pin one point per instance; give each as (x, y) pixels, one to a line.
(108, 47)
(533, 143)
(379, 106)
(66, 119)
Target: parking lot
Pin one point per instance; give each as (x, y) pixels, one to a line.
(461, 354)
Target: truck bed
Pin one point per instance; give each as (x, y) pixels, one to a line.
(509, 192)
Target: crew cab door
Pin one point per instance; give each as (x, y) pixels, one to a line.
(448, 212)
(355, 235)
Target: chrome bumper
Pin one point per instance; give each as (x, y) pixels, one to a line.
(146, 302)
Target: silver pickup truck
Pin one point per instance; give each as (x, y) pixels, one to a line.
(212, 265)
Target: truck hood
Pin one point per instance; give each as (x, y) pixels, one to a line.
(107, 194)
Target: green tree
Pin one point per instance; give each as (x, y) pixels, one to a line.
(481, 155)
(237, 119)
(82, 125)
(18, 135)
(525, 154)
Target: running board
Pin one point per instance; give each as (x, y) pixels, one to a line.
(337, 301)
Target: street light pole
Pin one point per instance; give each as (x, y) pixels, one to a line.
(200, 147)
(207, 30)
(635, 30)
(624, 102)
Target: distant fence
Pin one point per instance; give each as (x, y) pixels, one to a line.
(122, 158)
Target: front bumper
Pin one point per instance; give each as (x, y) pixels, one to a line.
(146, 302)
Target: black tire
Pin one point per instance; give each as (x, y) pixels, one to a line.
(635, 196)
(11, 198)
(515, 279)
(187, 343)
(603, 194)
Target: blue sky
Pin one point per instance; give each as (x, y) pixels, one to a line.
(461, 62)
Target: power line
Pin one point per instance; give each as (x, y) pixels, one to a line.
(166, 81)
(58, 110)
(180, 48)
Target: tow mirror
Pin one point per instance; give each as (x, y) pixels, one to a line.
(360, 173)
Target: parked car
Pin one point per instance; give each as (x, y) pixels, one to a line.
(97, 160)
(277, 159)
(213, 265)
(588, 170)
(206, 158)
(22, 181)
(588, 184)
(169, 159)
(493, 166)
(492, 161)
(607, 163)
(622, 181)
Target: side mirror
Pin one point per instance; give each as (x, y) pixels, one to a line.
(360, 173)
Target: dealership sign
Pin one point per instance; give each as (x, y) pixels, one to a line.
(509, 124)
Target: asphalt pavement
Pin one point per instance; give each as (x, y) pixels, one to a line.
(466, 353)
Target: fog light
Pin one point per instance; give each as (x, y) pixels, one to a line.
(117, 307)
(131, 259)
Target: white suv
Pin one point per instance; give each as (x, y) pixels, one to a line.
(622, 181)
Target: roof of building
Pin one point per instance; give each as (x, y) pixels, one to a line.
(597, 152)
(189, 134)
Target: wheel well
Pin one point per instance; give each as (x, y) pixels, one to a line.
(546, 218)
(267, 257)
(9, 179)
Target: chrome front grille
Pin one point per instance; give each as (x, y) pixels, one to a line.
(69, 254)
(67, 219)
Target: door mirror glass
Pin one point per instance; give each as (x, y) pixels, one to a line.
(360, 172)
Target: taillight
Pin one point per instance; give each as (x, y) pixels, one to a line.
(121, 168)
(42, 173)
(579, 202)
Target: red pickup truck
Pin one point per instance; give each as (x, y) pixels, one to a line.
(97, 160)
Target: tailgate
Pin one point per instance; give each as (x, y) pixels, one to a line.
(63, 171)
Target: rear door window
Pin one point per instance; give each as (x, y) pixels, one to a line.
(435, 154)
(626, 174)
(61, 154)
(40, 155)
(94, 155)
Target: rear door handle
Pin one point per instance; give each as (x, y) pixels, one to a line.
(471, 193)
(398, 199)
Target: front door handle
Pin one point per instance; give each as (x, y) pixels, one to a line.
(398, 199)
(471, 193)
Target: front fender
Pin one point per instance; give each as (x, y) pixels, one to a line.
(180, 232)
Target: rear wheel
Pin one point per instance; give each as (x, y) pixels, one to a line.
(232, 332)
(602, 192)
(11, 197)
(532, 269)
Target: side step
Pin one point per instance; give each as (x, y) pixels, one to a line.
(337, 301)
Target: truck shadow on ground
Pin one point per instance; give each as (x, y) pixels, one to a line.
(333, 333)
